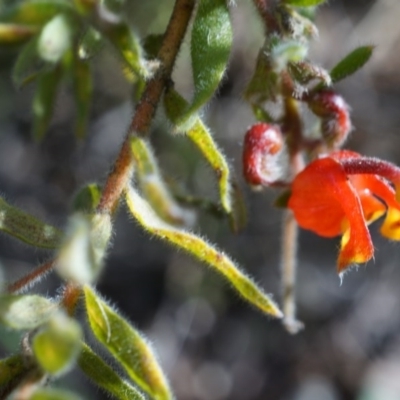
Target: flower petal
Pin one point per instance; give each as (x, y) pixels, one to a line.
(364, 185)
(322, 200)
(312, 202)
(381, 189)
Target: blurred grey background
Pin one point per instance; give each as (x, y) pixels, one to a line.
(212, 345)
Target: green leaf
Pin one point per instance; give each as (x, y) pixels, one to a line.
(304, 3)
(83, 89)
(26, 311)
(200, 135)
(15, 33)
(351, 63)
(27, 228)
(153, 185)
(210, 49)
(80, 258)
(34, 12)
(54, 394)
(28, 64)
(57, 345)
(87, 199)
(128, 46)
(264, 84)
(201, 250)
(11, 368)
(44, 100)
(105, 377)
(127, 346)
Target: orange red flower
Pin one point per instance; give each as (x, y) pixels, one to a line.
(340, 194)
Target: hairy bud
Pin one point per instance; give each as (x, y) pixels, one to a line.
(334, 114)
(262, 152)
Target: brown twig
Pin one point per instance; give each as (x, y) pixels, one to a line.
(146, 108)
(29, 279)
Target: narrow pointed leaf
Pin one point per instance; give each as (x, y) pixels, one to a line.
(105, 377)
(200, 135)
(304, 3)
(264, 83)
(83, 89)
(201, 250)
(127, 346)
(26, 311)
(28, 64)
(44, 100)
(54, 394)
(128, 46)
(56, 346)
(351, 63)
(154, 187)
(87, 199)
(27, 228)
(210, 49)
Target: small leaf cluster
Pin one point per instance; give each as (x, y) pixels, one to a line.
(56, 41)
(283, 70)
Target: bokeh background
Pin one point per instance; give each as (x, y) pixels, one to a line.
(212, 345)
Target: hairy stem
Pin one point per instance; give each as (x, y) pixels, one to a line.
(26, 281)
(146, 108)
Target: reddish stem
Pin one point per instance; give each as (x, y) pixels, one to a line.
(146, 108)
(31, 278)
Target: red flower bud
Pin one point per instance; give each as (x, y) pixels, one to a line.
(334, 113)
(262, 147)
